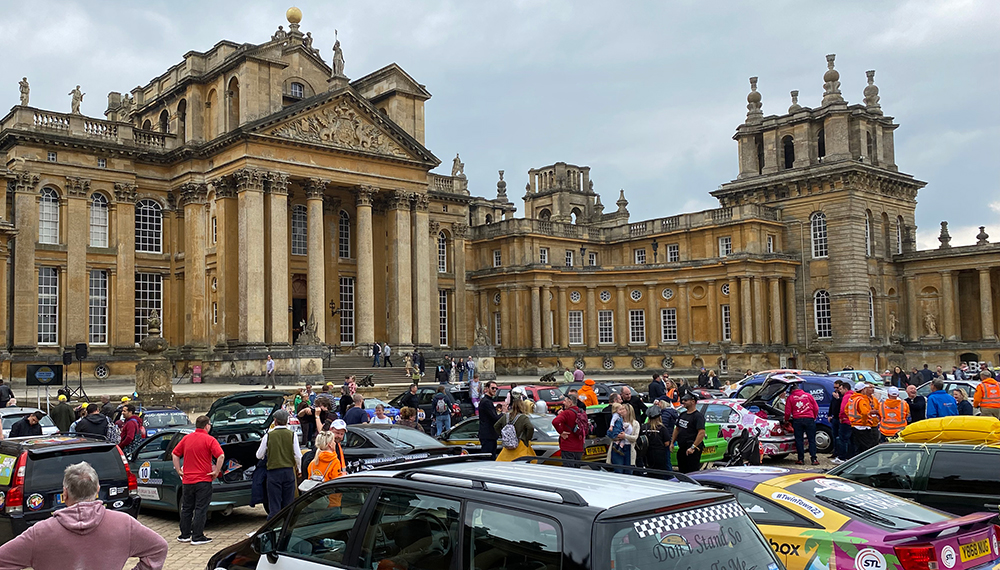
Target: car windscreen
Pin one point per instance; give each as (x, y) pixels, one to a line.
(165, 419)
(549, 395)
(406, 438)
(717, 537)
(865, 503)
(544, 425)
(45, 472)
(370, 403)
(253, 413)
(9, 421)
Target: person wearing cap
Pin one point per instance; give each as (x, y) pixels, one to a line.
(863, 411)
(689, 434)
(28, 425)
(281, 448)
(586, 393)
(801, 411)
(62, 414)
(658, 436)
(895, 414)
(940, 403)
(987, 396)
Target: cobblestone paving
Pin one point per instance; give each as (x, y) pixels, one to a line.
(223, 531)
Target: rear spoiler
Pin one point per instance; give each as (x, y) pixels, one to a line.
(930, 531)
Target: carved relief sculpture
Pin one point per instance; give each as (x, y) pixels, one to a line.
(340, 126)
(893, 323)
(930, 323)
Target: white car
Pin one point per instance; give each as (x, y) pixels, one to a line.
(13, 415)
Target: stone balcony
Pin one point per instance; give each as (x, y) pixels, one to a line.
(448, 184)
(87, 128)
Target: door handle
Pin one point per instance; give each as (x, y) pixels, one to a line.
(989, 506)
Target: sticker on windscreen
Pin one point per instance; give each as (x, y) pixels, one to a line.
(873, 500)
(833, 485)
(869, 559)
(672, 547)
(809, 506)
(667, 523)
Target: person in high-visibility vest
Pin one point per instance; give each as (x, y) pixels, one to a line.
(894, 413)
(987, 397)
(863, 411)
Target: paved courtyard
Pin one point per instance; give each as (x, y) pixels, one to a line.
(223, 531)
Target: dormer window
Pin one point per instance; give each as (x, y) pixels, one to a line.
(297, 90)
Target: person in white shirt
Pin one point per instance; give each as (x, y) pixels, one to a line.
(380, 417)
(281, 448)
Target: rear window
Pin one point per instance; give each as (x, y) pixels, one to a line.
(871, 505)
(45, 472)
(718, 537)
(162, 420)
(550, 395)
(406, 438)
(9, 421)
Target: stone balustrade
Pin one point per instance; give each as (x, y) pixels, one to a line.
(79, 126)
(449, 184)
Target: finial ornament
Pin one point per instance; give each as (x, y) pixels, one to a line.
(293, 15)
(501, 187)
(831, 82)
(622, 202)
(944, 237)
(983, 238)
(871, 94)
(795, 103)
(754, 113)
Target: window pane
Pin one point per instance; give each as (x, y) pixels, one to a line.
(637, 326)
(99, 221)
(673, 252)
(569, 258)
(605, 327)
(443, 317)
(300, 230)
(98, 307)
(500, 539)
(345, 235)
(319, 529)
(543, 256)
(496, 328)
(442, 253)
(496, 258)
(640, 256)
(821, 308)
(347, 310)
(819, 243)
(891, 469)
(576, 327)
(727, 327)
(668, 324)
(957, 472)
(412, 531)
(48, 305)
(148, 297)
(148, 227)
(48, 217)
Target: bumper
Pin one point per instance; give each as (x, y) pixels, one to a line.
(778, 445)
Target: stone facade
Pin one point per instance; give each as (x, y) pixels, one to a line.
(263, 204)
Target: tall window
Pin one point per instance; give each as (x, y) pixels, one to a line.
(215, 229)
(770, 244)
(725, 246)
(48, 305)
(727, 323)
(569, 258)
(215, 313)
(668, 325)
(605, 327)
(640, 256)
(637, 326)
(819, 245)
(344, 229)
(98, 221)
(496, 328)
(48, 216)
(297, 90)
(868, 234)
(576, 327)
(821, 311)
(300, 230)
(98, 307)
(442, 317)
(592, 259)
(496, 258)
(347, 310)
(788, 148)
(821, 144)
(871, 313)
(543, 255)
(673, 252)
(148, 227)
(442, 253)
(899, 234)
(148, 297)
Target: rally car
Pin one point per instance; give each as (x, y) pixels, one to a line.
(734, 420)
(715, 445)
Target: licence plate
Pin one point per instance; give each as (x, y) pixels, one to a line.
(975, 550)
(59, 499)
(596, 450)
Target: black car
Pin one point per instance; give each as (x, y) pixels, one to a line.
(31, 477)
(957, 478)
(369, 445)
(425, 393)
(466, 513)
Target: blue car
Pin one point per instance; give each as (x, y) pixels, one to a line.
(821, 388)
(390, 411)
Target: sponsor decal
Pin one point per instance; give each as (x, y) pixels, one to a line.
(118, 504)
(808, 506)
(35, 501)
(421, 415)
(833, 485)
(150, 493)
(755, 469)
(869, 559)
(6, 468)
(671, 547)
(948, 556)
(995, 551)
(144, 472)
(785, 548)
(3, 499)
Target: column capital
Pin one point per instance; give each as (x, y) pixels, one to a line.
(331, 204)
(398, 199)
(460, 230)
(250, 180)
(277, 183)
(315, 188)
(433, 227)
(364, 195)
(224, 187)
(77, 187)
(24, 181)
(125, 192)
(946, 272)
(420, 202)
(193, 193)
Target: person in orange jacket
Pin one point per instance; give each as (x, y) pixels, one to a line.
(863, 411)
(587, 394)
(894, 413)
(987, 397)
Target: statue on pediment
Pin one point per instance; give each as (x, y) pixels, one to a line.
(338, 60)
(457, 166)
(23, 84)
(930, 323)
(77, 98)
(340, 126)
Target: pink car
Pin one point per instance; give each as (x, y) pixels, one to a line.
(734, 419)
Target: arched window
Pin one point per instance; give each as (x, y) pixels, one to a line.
(821, 313)
(147, 125)
(819, 243)
(300, 230)
(868, 234)
(821, 143)
(489, 218)
(788, 149)
(899, 234)
(234, 103)
(164, 121)
(182, 120)
(48, 216)
(148, 227)
(297, 90)
(871, 313)
(759, 143)
(576, 214)
(869, 147)
(442, 253)
(344, 230)
(98, 220)
(545, 215)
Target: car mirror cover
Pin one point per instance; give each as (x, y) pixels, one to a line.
(265, 542)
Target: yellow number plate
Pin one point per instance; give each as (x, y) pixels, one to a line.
(975, 550)
(709, 450)
(596, 450)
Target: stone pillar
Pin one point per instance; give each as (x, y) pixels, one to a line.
(912, 309)
(316, 257)
(591, 309)
(652, 317)
(986, 304)
(250, 196)
(422, 271)
(5, 334)
(746, 304)
(547, 327)
(331, 225)
(564, 320)
(536, 317)
(947, 306)
(506, 329)
(77, 287)
(277, 201)
(956, 302)
(760, 331)
(460, 232)
(193, 196)
(793, 333)
(364, 296)
(714, 328)
(516, 312)
(777, 332)
(399, 252)
(124, 311)
(683, 314)
(430, 261)
(25, 276)
(734, 310)
(621, 318)
(227, 262)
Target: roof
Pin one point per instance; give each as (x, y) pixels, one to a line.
(43, 442)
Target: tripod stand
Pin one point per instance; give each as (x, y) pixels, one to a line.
(79, 393)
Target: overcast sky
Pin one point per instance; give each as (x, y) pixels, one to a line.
(648, 94)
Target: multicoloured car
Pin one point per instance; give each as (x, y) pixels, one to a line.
(819, 522)
(734, 420)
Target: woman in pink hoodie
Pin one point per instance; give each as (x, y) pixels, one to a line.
(84, 534)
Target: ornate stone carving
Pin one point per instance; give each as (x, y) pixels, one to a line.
(24, 181)
(315, 188)
(25, 90)
(831, 82)
(78, 187)
(638, 362)
(340, 126)
(580, 363)
(982, 238)
(502, 187)
(224, 187)
(871, 94)
(152, 373)
(331, 205)
(193, 193)
(433, 228)
(754, 113)
(459, 230)
(482, 335)
(172, 201)
(308, 334)
(364, 195)
(126, 192)
(249, 179)
(608, 363)
(795, 107)
(398, 200)
(421, 203)
(930, 324)
(76, 98)
(277, 183)
(944, 237)
(667, 362)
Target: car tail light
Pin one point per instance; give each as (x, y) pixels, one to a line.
(919, 557)
(15, 495)
(133, 483)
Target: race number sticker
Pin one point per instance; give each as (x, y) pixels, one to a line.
(809, 506)
(948, 557)
(145, 470)
(869, 559)
(421, 415)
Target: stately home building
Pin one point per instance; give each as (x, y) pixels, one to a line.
(262, 202)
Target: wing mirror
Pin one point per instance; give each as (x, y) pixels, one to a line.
(265, 542)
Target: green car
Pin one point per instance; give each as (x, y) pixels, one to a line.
(715, 444)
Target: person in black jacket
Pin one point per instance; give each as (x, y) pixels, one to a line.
(94, 422)
(703, 381)
(638, 406)
(488, 417)
(899, 378)
(410, 399)
(28, 425)
(657, 388)
(441, 375)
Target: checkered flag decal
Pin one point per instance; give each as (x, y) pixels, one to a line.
(667, 523)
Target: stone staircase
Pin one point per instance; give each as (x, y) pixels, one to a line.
(360, 366)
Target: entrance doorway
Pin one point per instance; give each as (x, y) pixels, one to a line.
(299, 315)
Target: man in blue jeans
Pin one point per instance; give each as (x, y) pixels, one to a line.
(843, 441)
(441, 408)
(802, 410)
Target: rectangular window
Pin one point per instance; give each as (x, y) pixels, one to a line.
(53, 157)
(640, 256)
(442, 317)
(569, 258)
(673, 252)
(344, 231)
(215, 313)
(215, 229)
(496, 258)
(442, 254)
(347, 310)
(592, 259)
(770, 244)
(727, 324)
(496, 328)
(952, 472)
(98, 222)
(102, 163)
(543, 255)
(300, 230)
(492, 530)
(725, 246)
(148, 297)
(668, 325)
(98, 307)
(576, 327)
(605, 327)
(637, 327)
(48, 305)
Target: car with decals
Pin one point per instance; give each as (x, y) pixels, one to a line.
(156, 418)
(817, 521)
(758, 379)
(551, 395)
(244, 416)
(462, 513)
(602, 389)
(735, 419)
(769, 395)
(856, 376)
(545, 442)
(715, 445)
(390, 410)
(954, 477)
(31, 477)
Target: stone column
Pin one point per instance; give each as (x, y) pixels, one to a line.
(591, 309)
(564, 320)
(777, 336)
(956, 302)
(760, 330)
(364, 296)
(621, 318)
(422, 271)
(506, 328)
(735, 318)
(517, 298)
(25, 276)
(460, 232)
(331, 225)
(714, 329)
(124, 311)
(399, 294)
(986, 304)
(547, 328)
(5, 334)
(430, 261)
(912, 308)
(653, 317)
(536, 317)
(277, 201)
(746, 303)
(193, 196)
(227, 262)
(316, 257)
(790, 313)
(947, 306)
(77, 288)
(250, 196)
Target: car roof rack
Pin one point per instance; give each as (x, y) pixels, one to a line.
(601, 466)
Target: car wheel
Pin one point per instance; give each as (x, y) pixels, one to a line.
(730, 450)
(824, 440)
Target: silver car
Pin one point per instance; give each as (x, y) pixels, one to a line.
(11, 416)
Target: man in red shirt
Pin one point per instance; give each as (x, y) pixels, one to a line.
(571, 436)
(802, 410)
(197, 449)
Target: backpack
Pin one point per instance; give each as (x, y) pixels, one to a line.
(508, 434)
(113, 433)
(582, 424)
(642, 444)
(441, 406)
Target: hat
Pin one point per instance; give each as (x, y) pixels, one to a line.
(859, 386)
(520, 392)
(125, 398)
(653, 412)
(589, 382)
(281, 417)
(689, 396)
(339, 424)
(62, 397)
(892, 391)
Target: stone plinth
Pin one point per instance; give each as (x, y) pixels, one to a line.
(153, 371)
(484, 356)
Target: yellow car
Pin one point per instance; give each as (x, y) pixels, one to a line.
(545, 441)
